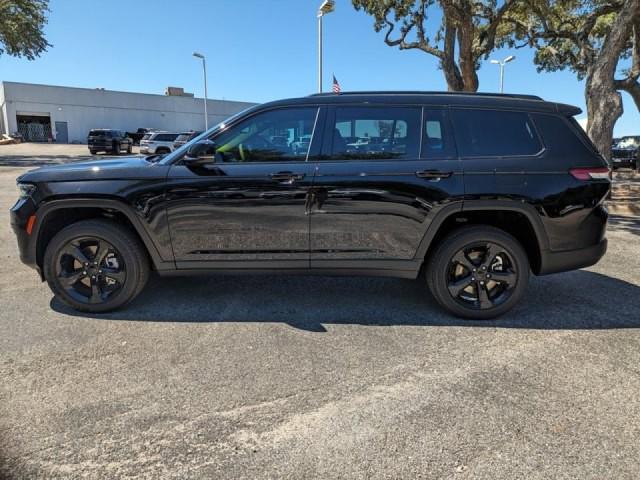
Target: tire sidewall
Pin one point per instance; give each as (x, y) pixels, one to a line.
(439, 265)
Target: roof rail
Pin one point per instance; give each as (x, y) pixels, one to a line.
(419, 92)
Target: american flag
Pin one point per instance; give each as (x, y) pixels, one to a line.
(336, 85)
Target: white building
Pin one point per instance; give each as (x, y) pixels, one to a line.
(65, 114)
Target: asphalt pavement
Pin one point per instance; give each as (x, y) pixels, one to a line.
(321, 377)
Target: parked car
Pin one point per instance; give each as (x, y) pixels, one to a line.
(480, 191)
(184, 138)
(138, 134)
(158, 143)
(626, 153)
(108, 140)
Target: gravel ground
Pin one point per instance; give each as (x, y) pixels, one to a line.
(320, 377)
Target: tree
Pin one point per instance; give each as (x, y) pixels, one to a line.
(21, 24)
(631, 81)
(588, 37)
(472, 29)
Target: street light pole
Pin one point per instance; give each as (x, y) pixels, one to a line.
(204, 70)
(326, 7)
(502, 64)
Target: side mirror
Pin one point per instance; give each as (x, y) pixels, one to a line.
(202, 153)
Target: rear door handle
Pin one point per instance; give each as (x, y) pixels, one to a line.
(286, 177)
(433, 174)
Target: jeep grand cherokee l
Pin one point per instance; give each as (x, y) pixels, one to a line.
(107, 140)
(469, 192)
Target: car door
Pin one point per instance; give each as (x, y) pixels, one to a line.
(384, 174)
(248, 208)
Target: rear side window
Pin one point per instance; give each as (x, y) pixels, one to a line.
(438, 141)
(375, 133)
(494, 133)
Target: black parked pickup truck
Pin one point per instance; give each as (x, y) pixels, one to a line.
(469, 192)
(108, 140)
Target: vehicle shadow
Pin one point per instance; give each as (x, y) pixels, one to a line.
(574, 300)
(623, 223)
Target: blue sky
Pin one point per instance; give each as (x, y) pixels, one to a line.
(257, 50)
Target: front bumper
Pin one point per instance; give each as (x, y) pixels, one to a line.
(19, 217)
(623, 162)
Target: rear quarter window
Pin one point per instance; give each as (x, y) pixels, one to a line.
(565, 140)
(494, 133)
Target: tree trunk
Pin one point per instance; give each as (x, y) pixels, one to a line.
(447, 62)
(466, 58)
(604, 102)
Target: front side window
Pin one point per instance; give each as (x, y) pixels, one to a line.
(494, 133)
(375, 133)
(275, 136)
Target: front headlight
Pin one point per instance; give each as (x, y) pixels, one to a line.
(26, 189)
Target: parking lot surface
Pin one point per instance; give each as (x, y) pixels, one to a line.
(322, 377)
(37, 154)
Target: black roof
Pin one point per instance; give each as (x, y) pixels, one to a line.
(468, 99)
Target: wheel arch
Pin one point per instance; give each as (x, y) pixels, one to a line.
(520, 220)
(57, 214)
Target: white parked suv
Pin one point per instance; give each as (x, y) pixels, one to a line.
(158, 142)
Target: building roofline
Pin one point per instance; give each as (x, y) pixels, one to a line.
(8, 82)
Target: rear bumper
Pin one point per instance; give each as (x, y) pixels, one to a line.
(555, 262)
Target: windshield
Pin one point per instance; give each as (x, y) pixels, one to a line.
(629, 142)
(178, 153)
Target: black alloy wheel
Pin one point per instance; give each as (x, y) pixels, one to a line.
(478, 272)
(90, 270)
(481, 276)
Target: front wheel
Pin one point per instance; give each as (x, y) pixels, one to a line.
(96, 266)
(478, 272)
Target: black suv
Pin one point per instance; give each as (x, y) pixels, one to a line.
(107, 140)
(626, 152)
(469, 192)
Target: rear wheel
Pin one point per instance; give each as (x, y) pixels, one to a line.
(478, 272)
(93, 152)
(129, 148)
(96, 266)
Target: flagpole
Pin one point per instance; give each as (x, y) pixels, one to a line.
(319, 53)
(327, 6)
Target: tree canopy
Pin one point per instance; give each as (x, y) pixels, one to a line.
(21, 27)
(459, 33)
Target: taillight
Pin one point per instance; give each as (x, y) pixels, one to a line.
(599, 173)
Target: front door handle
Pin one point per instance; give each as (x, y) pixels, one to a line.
(286, 177)
(433, 174)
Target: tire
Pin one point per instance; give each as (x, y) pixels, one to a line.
(130, 271)
(162, 151)
(116, 148)
(484, 297)
(93, 152)
(129, 149)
